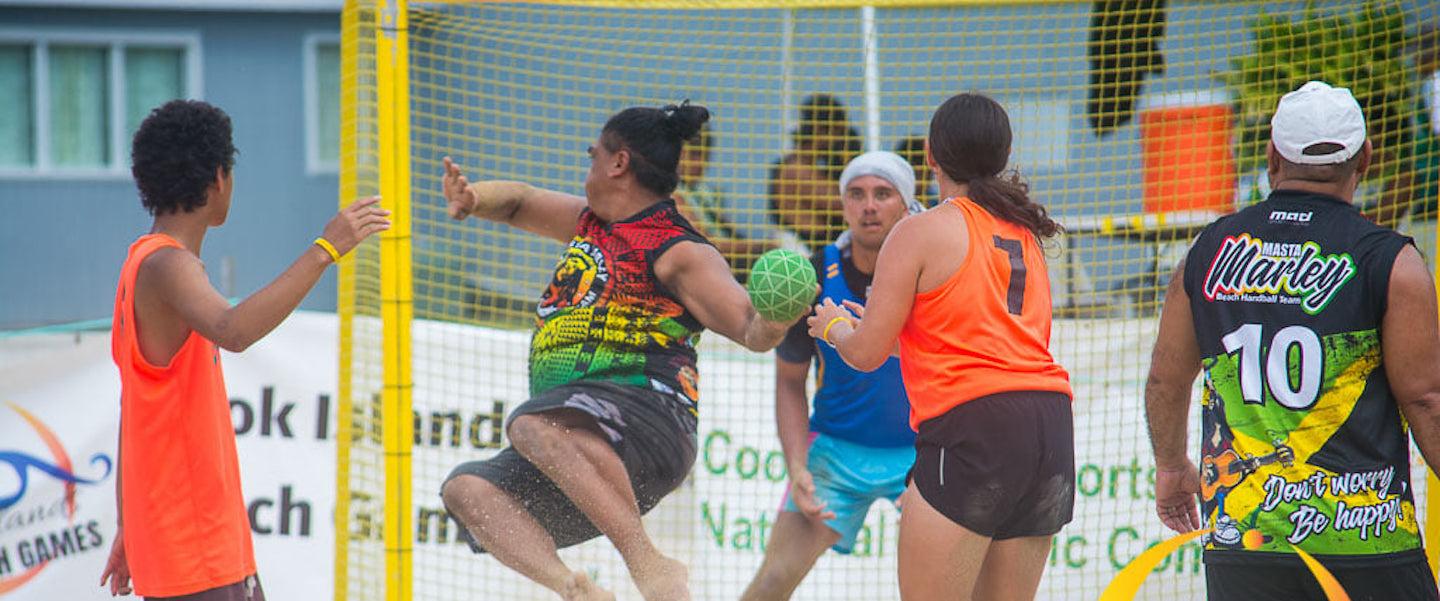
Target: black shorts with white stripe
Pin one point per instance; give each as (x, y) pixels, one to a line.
(1002, 466)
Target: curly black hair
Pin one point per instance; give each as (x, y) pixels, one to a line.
(175, 153)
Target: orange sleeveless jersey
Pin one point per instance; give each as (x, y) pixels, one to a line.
(184, 518)
(985, 330)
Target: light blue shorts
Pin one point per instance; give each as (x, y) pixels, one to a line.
(850, 477)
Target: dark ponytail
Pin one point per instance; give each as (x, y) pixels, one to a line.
(654, 138)
(1007, 196)
(970, 140)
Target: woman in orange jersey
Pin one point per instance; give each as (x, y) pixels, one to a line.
(963, 289)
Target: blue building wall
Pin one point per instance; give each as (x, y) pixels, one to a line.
(62, 241)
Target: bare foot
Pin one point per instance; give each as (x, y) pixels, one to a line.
(665, 579)
(581, 588)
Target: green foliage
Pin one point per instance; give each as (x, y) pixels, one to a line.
(1361, 48)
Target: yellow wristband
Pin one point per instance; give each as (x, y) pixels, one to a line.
(825, 335)
(328, 248)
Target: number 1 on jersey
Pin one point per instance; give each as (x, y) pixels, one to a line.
(1015, 296)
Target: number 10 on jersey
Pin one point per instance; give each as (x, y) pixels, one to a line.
(1275, 373)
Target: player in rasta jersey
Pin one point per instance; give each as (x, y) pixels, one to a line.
(609, 429)
(1316, 331)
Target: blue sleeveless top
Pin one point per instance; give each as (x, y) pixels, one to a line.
(864, 408)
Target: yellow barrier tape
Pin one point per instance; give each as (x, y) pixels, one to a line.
(1328, 583)
(1128, 581)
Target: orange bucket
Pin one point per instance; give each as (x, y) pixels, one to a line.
(1188, 165)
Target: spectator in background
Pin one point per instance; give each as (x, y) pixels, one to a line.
(1406, 150)
(802, 183)
(704, 205)
(912, 149)
(1424, 185)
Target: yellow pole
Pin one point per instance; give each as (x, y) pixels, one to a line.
(1432, 518)
(1432, 484)
(345, 300)
(396, 310)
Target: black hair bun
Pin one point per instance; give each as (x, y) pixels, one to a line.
(686, 119)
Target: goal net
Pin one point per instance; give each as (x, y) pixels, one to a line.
(1136, 123)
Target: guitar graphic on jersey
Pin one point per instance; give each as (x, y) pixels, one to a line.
(1229, 468)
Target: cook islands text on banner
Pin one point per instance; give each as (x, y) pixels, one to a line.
(59, 415)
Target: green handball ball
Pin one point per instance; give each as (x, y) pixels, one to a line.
(781, 285)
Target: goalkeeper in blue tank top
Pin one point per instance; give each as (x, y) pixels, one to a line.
(857, 446)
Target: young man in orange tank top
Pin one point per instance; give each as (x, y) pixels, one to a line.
(176, 438)
(963, 289)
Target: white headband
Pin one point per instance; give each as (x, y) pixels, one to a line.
(889, 167)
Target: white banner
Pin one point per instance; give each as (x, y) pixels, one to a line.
(720, 521)
(281, 399)
(59, 413)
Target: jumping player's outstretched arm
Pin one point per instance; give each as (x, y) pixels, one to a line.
(536, 210)
(866, 343)
(701, 280)
(1410, 347)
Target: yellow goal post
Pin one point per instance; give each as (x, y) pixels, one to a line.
(1135, 123)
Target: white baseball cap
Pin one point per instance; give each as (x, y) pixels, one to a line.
(1317, 114)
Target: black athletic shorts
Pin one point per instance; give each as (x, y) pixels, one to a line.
(1404, 581)
(652, 432)
(248, 589)
(1002, 465)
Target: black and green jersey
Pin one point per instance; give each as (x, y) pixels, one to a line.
(1302, 442)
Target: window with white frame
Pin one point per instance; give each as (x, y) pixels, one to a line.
(322, 103)
(70, 101)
